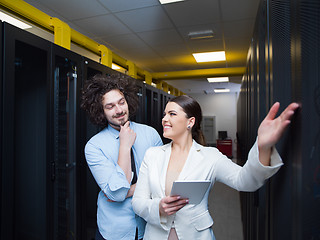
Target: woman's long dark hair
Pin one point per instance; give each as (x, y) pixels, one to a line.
(192, 109)
(96, 87)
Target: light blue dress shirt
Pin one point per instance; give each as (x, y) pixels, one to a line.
(116, 220)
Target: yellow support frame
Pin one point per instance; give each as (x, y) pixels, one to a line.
(63, 35)
(106, 56)
(34, 15)
(132, 69)
(148, 78)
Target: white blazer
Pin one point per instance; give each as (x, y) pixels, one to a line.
(203, 163)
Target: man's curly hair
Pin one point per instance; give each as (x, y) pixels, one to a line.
(96, 87)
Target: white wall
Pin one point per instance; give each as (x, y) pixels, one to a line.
(224, 107)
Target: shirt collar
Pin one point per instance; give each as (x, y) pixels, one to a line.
(113, 132)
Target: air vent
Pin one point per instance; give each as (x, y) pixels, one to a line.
(206, 34)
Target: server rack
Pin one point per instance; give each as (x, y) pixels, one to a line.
(140, 116)
(91, 189)
(66, 78)
(1, 121)
(152, 108)
(47, 190)
(164, 98)
(287, 45)
(306, 86)
(26, 142)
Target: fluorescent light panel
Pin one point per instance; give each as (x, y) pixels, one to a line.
(169, 1)
(218, 79)
(221, 90)
(13, 21)
(210, 56)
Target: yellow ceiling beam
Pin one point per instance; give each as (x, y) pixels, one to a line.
(62, 33)
(106, 56)
(199, 73)
(132, 69)
(176, 92)
(165, 87)
(34, 15)
(29, 12)
(148, 78)
(159, 85)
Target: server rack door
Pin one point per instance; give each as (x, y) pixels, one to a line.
(260, 35)
(281, 188)
(25, 157)
(156, 110)
(90, 188)
(152, 108)
(66, 72)
(163, 101)
(139, 115)
(306, 89)
(1, 121)
(148, 106)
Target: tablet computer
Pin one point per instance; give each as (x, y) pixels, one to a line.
(194, 190)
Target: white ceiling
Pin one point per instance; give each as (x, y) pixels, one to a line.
(155, 36)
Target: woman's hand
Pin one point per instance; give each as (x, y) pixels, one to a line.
(170, 205)
(271, 129)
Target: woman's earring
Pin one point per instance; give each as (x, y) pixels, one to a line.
(188, 127)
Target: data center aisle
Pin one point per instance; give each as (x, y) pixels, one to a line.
(224, 206)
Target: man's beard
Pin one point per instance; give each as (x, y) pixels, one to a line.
(122, 122)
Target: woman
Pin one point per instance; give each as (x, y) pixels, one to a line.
(185, 158)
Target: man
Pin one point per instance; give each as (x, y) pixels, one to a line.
(109, 101)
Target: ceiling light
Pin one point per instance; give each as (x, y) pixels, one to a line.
(169, 1)
(13, 21)
(115, 66)
(210, 56)
(200, 35)
(221, 90)
(218, 79)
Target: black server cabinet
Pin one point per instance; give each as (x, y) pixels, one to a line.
(1, 122)
(65, 128)
(287, 34)
(90, 188)
(306, 88)
(294, 30)
(1, 118)
(281, 187)
(139, 116)
(25, 145)
(152, 108)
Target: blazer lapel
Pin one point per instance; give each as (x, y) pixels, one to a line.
(167, 152)
(194, 159)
